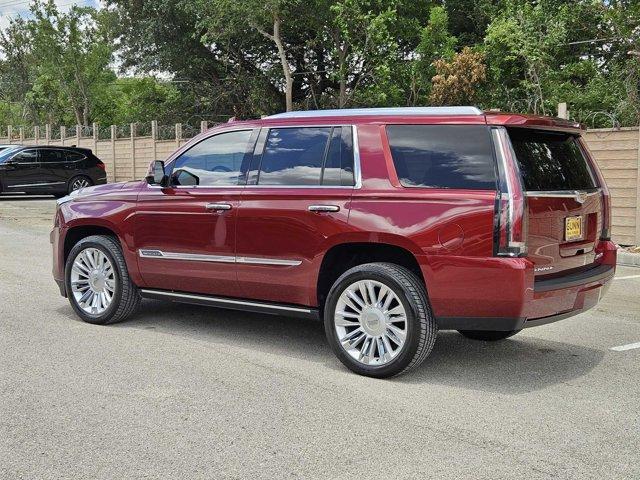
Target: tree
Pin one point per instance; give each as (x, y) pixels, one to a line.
(456, 82)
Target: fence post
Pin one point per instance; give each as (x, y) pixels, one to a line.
(21, 135)
(203, 126)
(78, 134)
(178, 134)
(63, 134)
(154, 140)
(9, 132)
(133, 150)
(94, 130)
(47, 132)
(113, 151)
(36, 134)
(562, 110)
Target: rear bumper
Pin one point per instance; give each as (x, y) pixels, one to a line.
(513, 299)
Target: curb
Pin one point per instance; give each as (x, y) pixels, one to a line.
(628, 259)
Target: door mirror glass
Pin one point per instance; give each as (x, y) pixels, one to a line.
(156, 174)
(185, 178)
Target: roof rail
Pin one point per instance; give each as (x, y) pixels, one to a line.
(386, 111)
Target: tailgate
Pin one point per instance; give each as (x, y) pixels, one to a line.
(564, 202)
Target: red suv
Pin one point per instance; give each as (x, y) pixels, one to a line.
(388, 224)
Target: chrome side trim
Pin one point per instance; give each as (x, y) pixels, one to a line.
(36, 184)
(198, 257)
(268, 261)
(226, 301)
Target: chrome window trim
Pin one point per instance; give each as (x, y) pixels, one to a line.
(199, 257)
(357, 170)
(562, 193)
(226, 300)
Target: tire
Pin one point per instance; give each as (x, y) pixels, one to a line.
(386, 358)
(77, 182)
(125, 297)
(488, 335)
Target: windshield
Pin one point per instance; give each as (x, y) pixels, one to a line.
(551, 161)
(7, 152)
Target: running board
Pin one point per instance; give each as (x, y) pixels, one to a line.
(231, 303)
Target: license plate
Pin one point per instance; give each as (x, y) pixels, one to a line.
(573, 228)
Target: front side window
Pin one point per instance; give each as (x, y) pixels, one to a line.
(26, 156)
(215, 161)
(443, 156)
(307, 156)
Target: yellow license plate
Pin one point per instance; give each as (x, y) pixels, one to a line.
(573, 228)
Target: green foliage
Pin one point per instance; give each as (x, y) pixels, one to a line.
(248, 58)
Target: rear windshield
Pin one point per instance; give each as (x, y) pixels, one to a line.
(551, 161)
(443, 156)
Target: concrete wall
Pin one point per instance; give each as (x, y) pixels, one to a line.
(617, 152)
(618, 155)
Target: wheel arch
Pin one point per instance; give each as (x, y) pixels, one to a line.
(76, 233)
(343, 256)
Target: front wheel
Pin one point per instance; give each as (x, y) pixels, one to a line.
(378, 320)
(488, 335)
(98, 283)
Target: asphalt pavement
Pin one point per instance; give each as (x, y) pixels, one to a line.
(191, 392)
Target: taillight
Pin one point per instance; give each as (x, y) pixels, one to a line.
(511, 205)
(101, 165)
(604, 192)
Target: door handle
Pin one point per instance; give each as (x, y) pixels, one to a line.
(217, 206)
(323, 208)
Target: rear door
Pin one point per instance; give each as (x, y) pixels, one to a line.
(55, 167)
(565, 204)
(297, 197)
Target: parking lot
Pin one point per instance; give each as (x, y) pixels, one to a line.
(190, 392)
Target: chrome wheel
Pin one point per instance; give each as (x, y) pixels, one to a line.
(371, 322)
(93, 281)
(79, 183)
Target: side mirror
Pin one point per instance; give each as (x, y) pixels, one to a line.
(156, 174)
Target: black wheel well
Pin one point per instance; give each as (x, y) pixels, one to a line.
(341, 258)
(75, 234)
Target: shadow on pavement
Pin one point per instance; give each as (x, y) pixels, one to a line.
(518, 365)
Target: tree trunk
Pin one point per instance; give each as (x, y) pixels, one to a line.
(286, 69)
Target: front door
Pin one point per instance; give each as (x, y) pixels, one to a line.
(185, 234)
(298, 197)
(22, 171)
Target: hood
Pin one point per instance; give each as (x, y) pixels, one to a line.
(100, 190)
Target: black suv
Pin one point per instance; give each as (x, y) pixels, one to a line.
(48, 170)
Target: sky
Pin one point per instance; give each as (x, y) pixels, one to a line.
(13, 8)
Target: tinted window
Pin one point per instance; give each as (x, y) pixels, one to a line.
(74, 156)
(50, 155)
(550, 161)
(443, 156)
(215, 161)
(338, 166)
(25, 156)
(293, 156)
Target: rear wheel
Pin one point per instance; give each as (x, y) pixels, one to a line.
(378, 320)
(79, 182)
(98, 283)
(488, 335)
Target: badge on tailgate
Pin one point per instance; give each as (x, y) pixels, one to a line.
(573, 228)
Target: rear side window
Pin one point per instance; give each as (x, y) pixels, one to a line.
(443, 156)
(51, 155)
(307, 156)
(550, 161)
(74, 156)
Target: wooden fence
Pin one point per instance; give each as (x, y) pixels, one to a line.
(617, 152)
